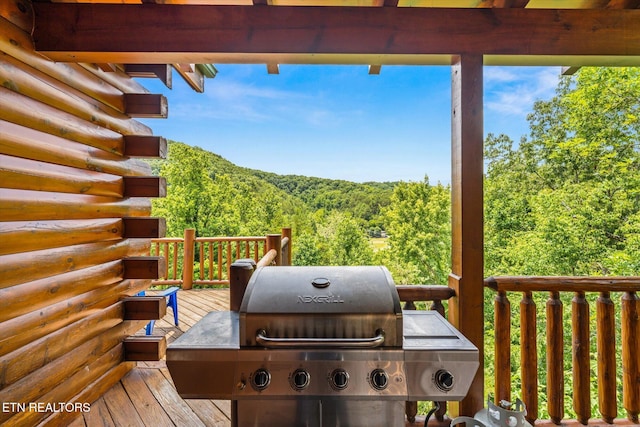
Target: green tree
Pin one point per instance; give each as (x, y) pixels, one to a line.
(419, 227)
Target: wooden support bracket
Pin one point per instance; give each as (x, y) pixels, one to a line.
(145, 308)
(273, 68)
(160, 71)
(146, 105)
(145, 186)
(145, 146)
(146, 267)
(191, 75)
(374, 69)
(144, 228)
(145, 348)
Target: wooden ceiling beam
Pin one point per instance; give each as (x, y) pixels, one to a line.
(155, 33)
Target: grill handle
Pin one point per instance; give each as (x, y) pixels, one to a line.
(265, 341)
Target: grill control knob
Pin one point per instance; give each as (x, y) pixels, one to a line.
(300, 379)
(339, 379)
(260, 379)
(379, 379)
(444, 380)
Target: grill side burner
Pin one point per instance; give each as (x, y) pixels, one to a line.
(285, 361)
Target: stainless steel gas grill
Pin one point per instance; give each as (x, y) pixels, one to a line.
(322, 346)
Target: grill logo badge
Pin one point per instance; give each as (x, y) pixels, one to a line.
(320, 299)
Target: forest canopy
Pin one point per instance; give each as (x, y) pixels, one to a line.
(564, 200)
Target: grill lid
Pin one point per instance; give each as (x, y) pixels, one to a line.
(305, 306)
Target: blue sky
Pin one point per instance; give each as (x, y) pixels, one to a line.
(340, 122)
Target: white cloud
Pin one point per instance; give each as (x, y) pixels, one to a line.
(513, 91)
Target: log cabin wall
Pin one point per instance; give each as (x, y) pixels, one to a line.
(74, 212)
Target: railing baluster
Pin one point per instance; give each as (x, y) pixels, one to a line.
(229, 258)
(176, 254)
(631, 355)
(529, 355)
(555, 380)
(580, 357)
(165, 247)
(606, 342)
(255, 251)
(210, 257)
(503, 347)
(201, 261)
(219, 272)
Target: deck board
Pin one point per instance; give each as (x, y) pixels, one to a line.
(146, 396)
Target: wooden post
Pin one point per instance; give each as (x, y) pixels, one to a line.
(580, 357)
(286, 234)
(503, 347)
(274, 242)
(529, 356)
(606, 341)
(188, 260)
(467, 248)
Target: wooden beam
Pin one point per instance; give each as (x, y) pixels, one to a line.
(144, 267)
(156, 33)
(147, 105)
(375, 69)
(191, 75)
(145, 146)
(145, 308)
(145, 186)
(144, 228)
(273, 68)
(467, 253)
(141, 348)
(159, 71)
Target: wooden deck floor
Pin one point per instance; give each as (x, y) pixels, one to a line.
(146, 396)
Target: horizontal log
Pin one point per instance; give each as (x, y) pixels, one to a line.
(368, 35)
(67, 389)
(91, 392)
(145, 308)
(145, 186)
(19, 13)
(34, 295)
(18, 205)
(25, 174)
(146, 105)
(25, 236)
(424, 292)
(30, 82)
(15, 140)
(145, 146)
(158, 71)
(35, 355)
(117, 79)
(29, 266)
(20, 331)
(144, 227)
(19, 109)
(563, 283)
(141, 348)
(42, 381)
(83, 77)
(146, 267)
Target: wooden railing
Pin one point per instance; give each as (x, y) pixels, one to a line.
(582, 289)
(215, 256)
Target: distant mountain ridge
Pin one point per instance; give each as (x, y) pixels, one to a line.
(363, 200)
